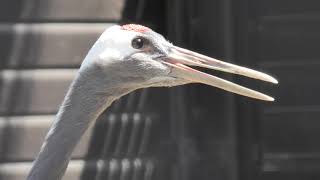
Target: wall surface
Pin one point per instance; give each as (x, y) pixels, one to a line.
(231, 137)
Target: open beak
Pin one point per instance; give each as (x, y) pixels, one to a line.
(181, 59)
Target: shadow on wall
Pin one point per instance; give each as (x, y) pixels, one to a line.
(146, 12)
(16, 44)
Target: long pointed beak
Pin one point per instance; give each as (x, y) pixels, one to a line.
(180, 59)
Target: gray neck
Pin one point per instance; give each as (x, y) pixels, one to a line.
(82, 105)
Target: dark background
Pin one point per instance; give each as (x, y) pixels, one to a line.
(182, 133)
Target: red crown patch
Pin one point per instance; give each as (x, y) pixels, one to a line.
(135, 27)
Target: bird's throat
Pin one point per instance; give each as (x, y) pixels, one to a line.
(84, 102)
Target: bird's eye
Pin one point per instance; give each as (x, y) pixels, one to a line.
(137, 43)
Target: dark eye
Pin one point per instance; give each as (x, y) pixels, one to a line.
(137, 43)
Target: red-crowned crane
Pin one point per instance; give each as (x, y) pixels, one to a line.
(123, 59)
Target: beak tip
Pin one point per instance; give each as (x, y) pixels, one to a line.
(271, 99)
(274, 81)
(270, 79)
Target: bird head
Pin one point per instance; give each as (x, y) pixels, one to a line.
(137, 57)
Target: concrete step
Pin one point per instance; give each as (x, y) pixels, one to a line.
(122, 169)
(38, 91)
(115, 135)
(61, 10)
(47, 45)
